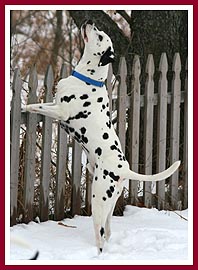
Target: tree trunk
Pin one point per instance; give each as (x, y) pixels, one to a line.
(57, 40)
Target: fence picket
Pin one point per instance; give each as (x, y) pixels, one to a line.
(15, 120)
(30, 147)
(134, 127)
(46, 148)
(185, 155)
(148, 127)
(175, 124)
(161, 128)
(61, 165)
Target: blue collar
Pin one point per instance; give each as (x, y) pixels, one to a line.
(86, 79)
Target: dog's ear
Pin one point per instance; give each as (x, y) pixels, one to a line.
(107, 57)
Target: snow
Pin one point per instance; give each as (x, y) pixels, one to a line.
(140, 235)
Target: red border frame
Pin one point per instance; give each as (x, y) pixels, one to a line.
(2, 134)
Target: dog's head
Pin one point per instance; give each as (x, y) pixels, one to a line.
(97, 43)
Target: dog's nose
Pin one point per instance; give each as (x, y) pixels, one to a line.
(89, 22)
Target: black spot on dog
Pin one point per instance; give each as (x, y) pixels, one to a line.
(109, 194)
(88, 83)
(105, 136)
(71, 129)
(84, 139)
(88, 62)
(98, 151)
(104, 198)
(108, 124)
(94, 90)
(81, 115)
(91, 70)
(116, 143)
(77, 135)
(96, 178)
(114, 177)
(85, 96)
(102, 231)
(83, 130)
(100, 37)
(105, 172)
(68, 98)
(119, 166)
(108, 113)
(111, 189)
(100, 249)
(100, 99)
(86, 104)
(94, 196)
(113, 147)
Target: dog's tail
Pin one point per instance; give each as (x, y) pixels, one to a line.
(24, 244)
(155, 177)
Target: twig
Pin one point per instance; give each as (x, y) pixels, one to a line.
(65, 225)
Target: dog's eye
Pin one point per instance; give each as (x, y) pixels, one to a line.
(100, 37)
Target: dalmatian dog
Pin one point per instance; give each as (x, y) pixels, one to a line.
(82, 106)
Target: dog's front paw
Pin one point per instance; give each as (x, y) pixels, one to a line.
(24, 108)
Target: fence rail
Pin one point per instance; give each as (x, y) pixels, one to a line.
(152, 128)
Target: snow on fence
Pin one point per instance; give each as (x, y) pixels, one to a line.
(157, 112)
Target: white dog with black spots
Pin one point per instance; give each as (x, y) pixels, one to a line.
(82, 105)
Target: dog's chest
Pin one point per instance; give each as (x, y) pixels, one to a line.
(89, 119)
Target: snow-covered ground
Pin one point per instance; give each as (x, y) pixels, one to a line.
(141, 234)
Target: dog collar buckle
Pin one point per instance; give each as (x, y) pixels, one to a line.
(86, 79)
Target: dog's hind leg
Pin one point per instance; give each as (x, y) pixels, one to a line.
(108, 224)
(99, 219)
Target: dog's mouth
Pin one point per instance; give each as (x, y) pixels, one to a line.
(84, 29)
(85, 37)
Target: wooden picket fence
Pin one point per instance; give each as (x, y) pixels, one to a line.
(158, 113)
